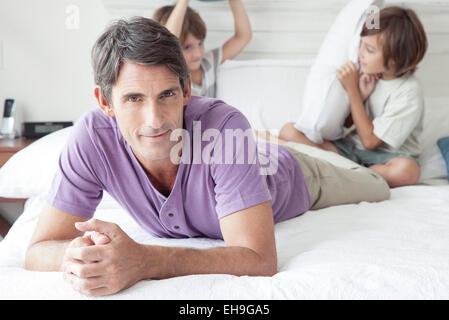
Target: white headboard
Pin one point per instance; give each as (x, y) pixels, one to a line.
(294, 29)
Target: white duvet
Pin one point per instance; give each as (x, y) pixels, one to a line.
(396, 249)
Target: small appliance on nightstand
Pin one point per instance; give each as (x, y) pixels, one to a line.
(34, 130)
(7, 128)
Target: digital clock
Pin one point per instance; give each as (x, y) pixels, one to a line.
(40, 129)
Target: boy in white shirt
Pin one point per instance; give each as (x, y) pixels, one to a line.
(187, 25)
(384, 132)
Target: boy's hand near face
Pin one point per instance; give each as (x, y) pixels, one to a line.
(349, 77)
(354, 83)
(367, 84)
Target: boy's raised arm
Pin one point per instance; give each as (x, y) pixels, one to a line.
(176, 19)
(242, 31)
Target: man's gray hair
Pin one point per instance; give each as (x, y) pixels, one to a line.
(139, 40)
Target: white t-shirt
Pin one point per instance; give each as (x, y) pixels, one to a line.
(396, 108)
(209, 65)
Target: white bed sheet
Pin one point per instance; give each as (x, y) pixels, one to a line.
(396, 249)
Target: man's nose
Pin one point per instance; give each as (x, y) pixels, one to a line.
(153, 116)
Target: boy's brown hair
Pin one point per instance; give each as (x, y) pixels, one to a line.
(403, 37)
(192, 22)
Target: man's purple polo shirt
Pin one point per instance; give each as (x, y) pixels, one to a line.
(97, 157)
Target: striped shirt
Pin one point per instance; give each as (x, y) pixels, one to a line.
(209, 65)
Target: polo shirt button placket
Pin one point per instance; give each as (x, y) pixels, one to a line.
(171, 215)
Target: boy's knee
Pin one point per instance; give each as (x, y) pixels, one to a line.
(404, 171)
(411, 171)
(287, 131)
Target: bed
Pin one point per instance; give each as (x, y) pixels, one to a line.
(395, 249)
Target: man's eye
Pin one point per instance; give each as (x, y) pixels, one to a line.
(168, 94)
(133, 99)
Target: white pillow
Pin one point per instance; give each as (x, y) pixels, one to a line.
(265, 91)
(325, 104)
(30, 171)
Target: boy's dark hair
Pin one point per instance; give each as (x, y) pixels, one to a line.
(403, 37)
(139, 40)
(192, 22)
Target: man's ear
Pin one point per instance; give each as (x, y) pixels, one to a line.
(103, 103)
(188, 92)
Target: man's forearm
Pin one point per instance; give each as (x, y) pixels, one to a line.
(46, 255)
(167, 262)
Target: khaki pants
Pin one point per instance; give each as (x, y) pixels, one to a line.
(330, 185)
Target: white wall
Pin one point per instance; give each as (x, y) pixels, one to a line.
(47, 67)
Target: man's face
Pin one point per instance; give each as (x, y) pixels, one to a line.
(193, 50)
(148, 103)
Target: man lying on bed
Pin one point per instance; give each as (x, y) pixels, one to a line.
(131, 148)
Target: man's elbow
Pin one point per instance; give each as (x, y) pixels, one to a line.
(262, 266)
(268, 268)
(271, 271)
